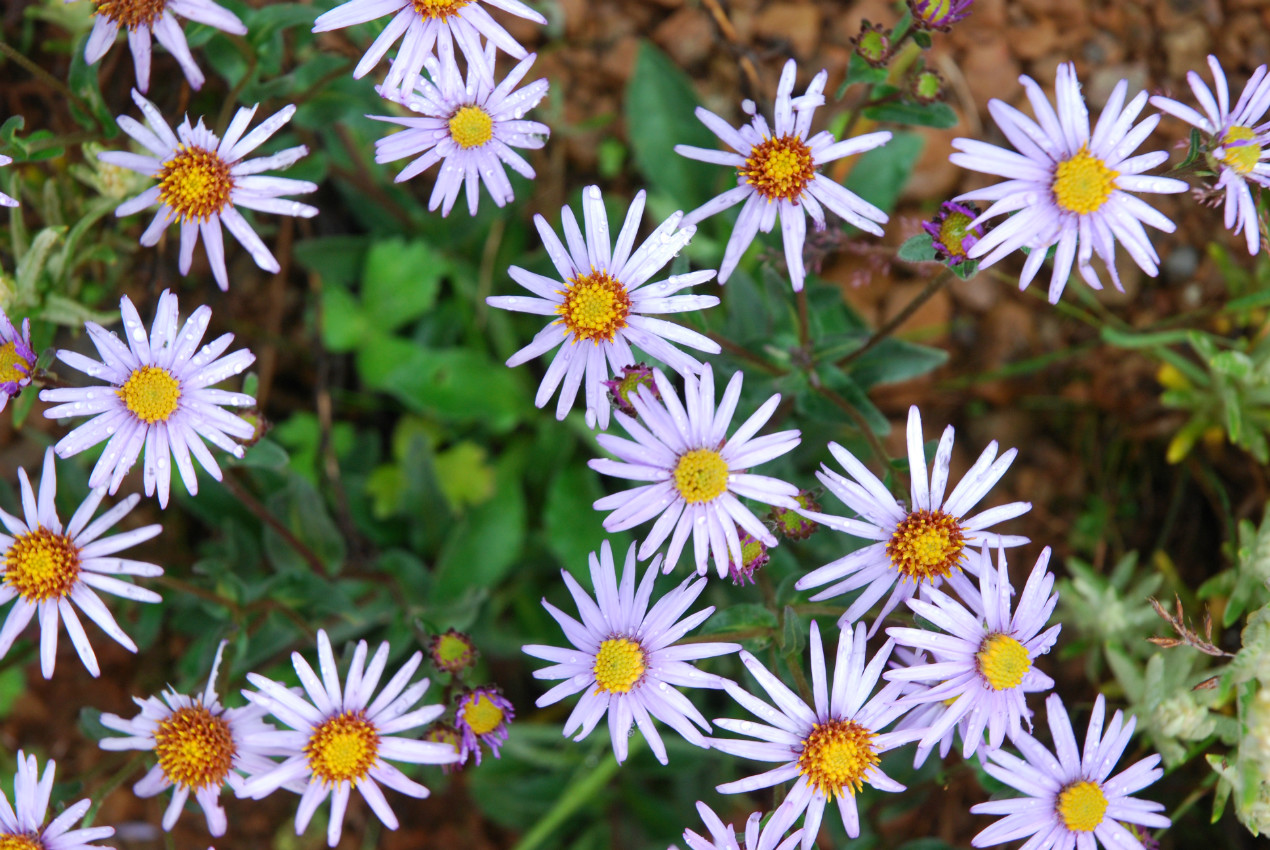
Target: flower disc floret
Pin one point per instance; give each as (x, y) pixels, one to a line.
(619, 665)
(471, 126)
(481, 714)
(438, 10)
(1003, 661)
(27, 841)
(926, 545)
(195, 748)
(1082, 806)
(14, 367)
(779, 168)
(1083, 182)
(151, 393)
(701, 475)
(195, 183)
(343, 748)
(836, 756)
(131, 13)
(41, 565)
(595, 308)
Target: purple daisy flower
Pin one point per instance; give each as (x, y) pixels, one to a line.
(22, 824)
(17, 358)
(938, 14)
(624, 659)
(757, 836)
(203, 179)
(200, 746)
(603, 298)
(145, 18)
(953, 233)
(777, 174)
(1238, 143)
(697, 471)
(338, 737)
(914, 547)
(483, 715)
(5, 200)
(159, 397)
(1072, 801)
(1067, 187)
(420, 24)
(831, 750)
(470, 127)
(983, 662)
(50, 570)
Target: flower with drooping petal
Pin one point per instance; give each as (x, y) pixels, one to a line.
(48, 567)
(339, 738)
(603, 304)
(916, 546)
(697, 471)
(159, 397)
(483, 715)
(777, 174)
(829, 751)
(200, 745)
(982, 668)
(17, 358)
(951, 232)
(142, 19)
(1238, 143)
(624, 659)
(1067, 187)
(203, 179)
(420, 24)
(22, 824)
(471, 128)
(938, 14)
(757, 836)
(5, 200)
(1072, 801)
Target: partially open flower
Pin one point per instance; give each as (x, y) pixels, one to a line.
(483, 715)
(453, 652)
(938, 14)
(620, 389)
(873, 44)
(17, 358)
(792, 526)
(753, 558)
(952, 230)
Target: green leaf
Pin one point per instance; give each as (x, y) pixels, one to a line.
(918, 249)
(484, 544)
(737, 618)
(400, 281)
(881, 173)
(266, 454)
(1236, 364)
(464, 476)
(660, 106)
(300, 508)
(1192, 151)
(938, 115)
(893, 360)
(344, 325)
(335, 258)
(859, 71)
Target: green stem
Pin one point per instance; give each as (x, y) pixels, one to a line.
(578, 793)
(937, 283)
(44, 76)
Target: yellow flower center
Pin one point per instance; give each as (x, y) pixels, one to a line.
(1083, 183)
(29, 841)
(454, 651)
(779, 168)
(595, 307)
(1082, 805)
(41, 565)
(619, 665)
(131, 14)
(10, 361)
(481, 715)
(836, 755)
(195, 748)
(471, 127)
(343, 748)
(151, 393)
(701, 475)
(438, 9)
(1003, 661)
(926, 545)
(951, 231)
(195, 183)
(1239, 151)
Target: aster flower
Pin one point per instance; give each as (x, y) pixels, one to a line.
(203, 179)
(483, 715)
(697, 471)
(938, 14)
(158, 397)
(917, 547)
(339, 737)
(602, 299)
(1072, 800)
(5, 200)
(17, 358)
(624, 659)
(983, 662)
(829, 751)
(200, 746)
(1066, 187)
(421, 24)
(48, 567)
(757, 837)
(620, 389)
(471, 127)
(1237, 142)
(952, 233)
(145, 18)
(777, 174)
(22, 824)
